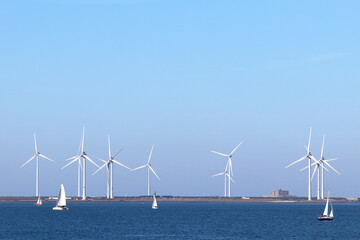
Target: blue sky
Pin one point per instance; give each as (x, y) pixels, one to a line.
(188, 76)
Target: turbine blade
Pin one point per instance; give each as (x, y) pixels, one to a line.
(322, 165)
(309, 141)
(118, 153)
(91, 160)
(314, 172)
(314, 163)
(109, 146)
(231, 178)
(70, 162)
(139, 167)
(314, 159)
(222, 154)
(329, 160)
(121, 164)
(46, 158)
(28, 161)
(230, 168)
(100, 167)
(218, 174)
(100, 159)
(154, 172)
(306, 148)
(331, 167)
(227, 165)
(322, 148)
(83, 139)
(36, 151)
(299, 160)
(80, 163)
(80, 147)
(235, 148)
(150, 153)
(72, 158)
(304, 168)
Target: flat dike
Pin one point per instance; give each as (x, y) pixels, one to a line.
(177, 199)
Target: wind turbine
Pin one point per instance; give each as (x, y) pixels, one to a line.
(81, 155)
(309, 156)
(321, 163)
(226, 174)
(317, 167)
(37, 155)
(109, 168)
(228, 165)
(148, 165)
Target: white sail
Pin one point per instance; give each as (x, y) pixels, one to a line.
(326, 210)
(38, 202)
(332, 211)
(154, 205)
(62, 197)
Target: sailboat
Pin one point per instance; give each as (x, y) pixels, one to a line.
(61, 202)
(39, 202)
(326, 216)
(154, 205)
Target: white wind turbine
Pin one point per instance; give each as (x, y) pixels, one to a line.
(226, 174)
(309, 156)
(37, 155)
(81, 155)
(321, 163)
(109, 169)
(148, 165)
(228, 165)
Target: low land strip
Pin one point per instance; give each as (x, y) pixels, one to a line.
(180, 199)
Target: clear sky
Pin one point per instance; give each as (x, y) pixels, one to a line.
(187, 76)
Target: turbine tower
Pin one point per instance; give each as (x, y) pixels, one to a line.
(109, 168)
(148, 165)
(81, 155)
(309, 156)
(37, 155)
(228, 166)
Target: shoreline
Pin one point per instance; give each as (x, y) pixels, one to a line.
(181, 199)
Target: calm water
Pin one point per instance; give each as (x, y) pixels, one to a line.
(178, 221)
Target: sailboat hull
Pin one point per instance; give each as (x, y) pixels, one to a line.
(325, 218)
(58, 208)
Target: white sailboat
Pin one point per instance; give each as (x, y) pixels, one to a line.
(154, 205)
(326, 216)
(61, 202)
(39, 202)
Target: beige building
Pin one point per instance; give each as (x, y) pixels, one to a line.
(280, 193)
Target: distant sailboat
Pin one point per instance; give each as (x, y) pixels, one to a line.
(39, 202)
(61, 202)
(326, 216)
(154, 205)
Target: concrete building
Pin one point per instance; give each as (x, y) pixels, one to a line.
(280, 193)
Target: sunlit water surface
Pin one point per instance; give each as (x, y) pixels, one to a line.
(178, 221)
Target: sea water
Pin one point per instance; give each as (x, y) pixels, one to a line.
(136, 220)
